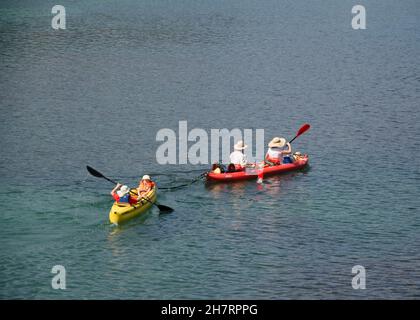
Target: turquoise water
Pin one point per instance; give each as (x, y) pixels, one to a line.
(97, 93)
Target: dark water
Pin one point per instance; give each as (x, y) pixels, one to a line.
(98, 92)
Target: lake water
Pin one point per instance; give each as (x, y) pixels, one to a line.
(98, 92)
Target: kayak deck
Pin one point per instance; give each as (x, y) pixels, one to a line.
(121, 212)
(251, 173)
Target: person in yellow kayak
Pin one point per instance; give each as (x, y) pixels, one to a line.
(145, 185)
(279, 151)
(237, 157)
(121, 194)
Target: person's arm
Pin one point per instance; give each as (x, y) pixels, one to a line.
(115, 189)
(289, 149)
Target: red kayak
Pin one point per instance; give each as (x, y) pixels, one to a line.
(251, 173)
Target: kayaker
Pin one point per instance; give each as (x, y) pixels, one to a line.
(121, 194)
(278, 150)
(237, 157)
(145, 185)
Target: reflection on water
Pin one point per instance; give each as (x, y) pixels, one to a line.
(115, 230)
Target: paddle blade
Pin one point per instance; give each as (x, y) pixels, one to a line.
(94, 173)
(164, 209)
(303, 129)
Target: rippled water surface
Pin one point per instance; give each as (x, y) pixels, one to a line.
(98, 92)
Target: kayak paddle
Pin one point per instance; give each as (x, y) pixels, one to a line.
(302, 130)
(162, 208)
(97, 174)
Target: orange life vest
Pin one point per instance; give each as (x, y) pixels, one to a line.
(146, 185)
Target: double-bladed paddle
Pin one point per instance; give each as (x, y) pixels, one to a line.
(96, 173)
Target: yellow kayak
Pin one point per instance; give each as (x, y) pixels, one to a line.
(121, 212)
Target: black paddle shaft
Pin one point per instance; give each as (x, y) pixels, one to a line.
(293, 139)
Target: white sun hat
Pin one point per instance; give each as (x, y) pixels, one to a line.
(123, 191)
(277, 143)
(146, 177)
(240, 146)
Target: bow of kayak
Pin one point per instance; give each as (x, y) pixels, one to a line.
(121, 212)
(253, 173)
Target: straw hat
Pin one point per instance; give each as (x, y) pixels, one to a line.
(240, 146)
(277, 143)
(146, 177)
(123, 191)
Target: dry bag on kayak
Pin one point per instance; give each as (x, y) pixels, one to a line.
(287, 159)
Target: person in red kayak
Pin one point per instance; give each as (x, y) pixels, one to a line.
(121, 194)
(145, 185)
(278, 150)
(237, 157)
